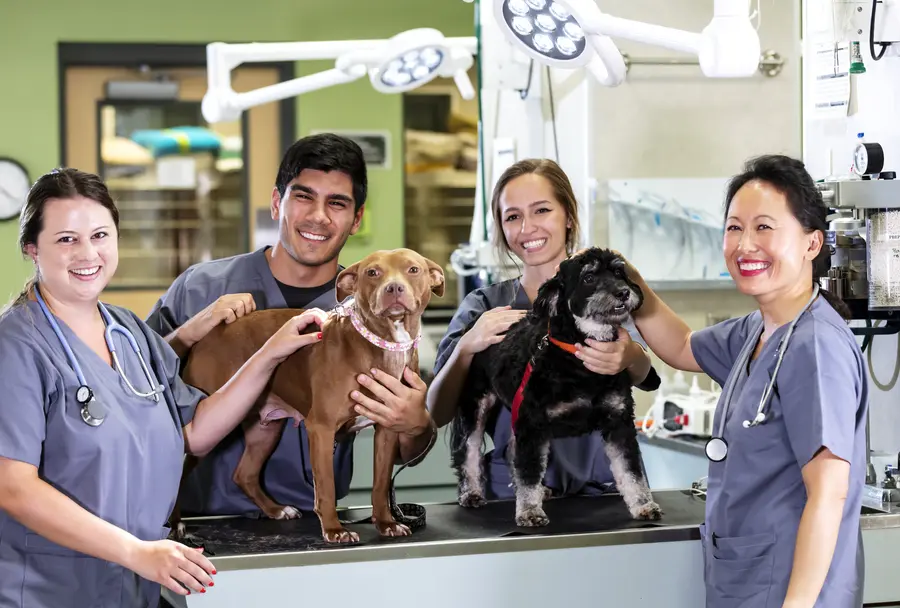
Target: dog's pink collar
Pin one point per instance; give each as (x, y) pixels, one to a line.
(350, 310)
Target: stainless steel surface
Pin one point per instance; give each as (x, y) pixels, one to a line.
(770, 62)
(450, 531)
(861, 194)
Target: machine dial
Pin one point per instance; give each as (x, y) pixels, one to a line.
(868, 159)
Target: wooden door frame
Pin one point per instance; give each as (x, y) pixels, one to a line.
(157, 56)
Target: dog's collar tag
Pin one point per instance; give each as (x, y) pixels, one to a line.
(349, 309)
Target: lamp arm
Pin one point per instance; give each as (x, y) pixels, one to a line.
(299, 86)
(647, 33)
(224, 104)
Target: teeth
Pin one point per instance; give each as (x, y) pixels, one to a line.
(755, 266)
(86, 272)
(534, 244)
(313, 237)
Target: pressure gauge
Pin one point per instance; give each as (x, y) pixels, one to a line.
(868, 159)
(14, 186)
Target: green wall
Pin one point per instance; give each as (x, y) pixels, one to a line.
(29, 113)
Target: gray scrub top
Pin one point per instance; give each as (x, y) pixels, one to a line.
(126, 471)
(576, 465)
(756, 495)
(287, 476)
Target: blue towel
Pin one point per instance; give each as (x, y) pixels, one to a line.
(178, 140)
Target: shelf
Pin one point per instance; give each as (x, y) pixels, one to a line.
(692, 285)
(157, 225)
(442, 179)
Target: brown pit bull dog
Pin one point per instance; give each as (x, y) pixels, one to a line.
(376, 330)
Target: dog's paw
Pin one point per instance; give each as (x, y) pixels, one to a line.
(339, 535)
(472, 500)
(648, 511)
(533, 517)
(392, 528)
(180, 532)
(283, 512)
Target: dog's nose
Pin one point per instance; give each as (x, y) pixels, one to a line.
(394, 289)
(624, 294)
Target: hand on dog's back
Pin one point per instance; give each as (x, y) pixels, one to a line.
(490, 329)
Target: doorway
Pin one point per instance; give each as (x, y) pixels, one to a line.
(187, 191)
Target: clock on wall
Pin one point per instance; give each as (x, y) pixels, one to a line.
(14, 186)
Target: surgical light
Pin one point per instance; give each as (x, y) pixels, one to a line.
(406, 61)
(571, 34)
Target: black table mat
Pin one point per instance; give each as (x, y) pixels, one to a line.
(445, 522)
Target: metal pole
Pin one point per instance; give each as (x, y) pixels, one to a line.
(770, 62)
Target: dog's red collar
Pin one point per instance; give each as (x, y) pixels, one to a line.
(569, 348)
(520, 392)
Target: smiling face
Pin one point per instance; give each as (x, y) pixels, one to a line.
(316, 216)
(76, 251)
(766, 249)
(533, 220)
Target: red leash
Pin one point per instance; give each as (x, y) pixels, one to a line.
(520, 392)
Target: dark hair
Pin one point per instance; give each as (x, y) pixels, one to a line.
(790, 177)
(59, 183)
(562, 190)
(325, 152)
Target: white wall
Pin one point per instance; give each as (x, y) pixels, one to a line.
(664, 121)
(877, 114)
(671, 121)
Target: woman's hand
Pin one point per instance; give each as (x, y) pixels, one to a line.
(610, 358)
(489, 329)
(291, 338)
(227, 308)
(397, 407)
(172, 565)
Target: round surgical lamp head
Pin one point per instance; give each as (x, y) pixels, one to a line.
(411, 59)
(549, 31)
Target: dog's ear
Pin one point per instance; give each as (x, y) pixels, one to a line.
(346, 282)
(436, 274)
(547, 301)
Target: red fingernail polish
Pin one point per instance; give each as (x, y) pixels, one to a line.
(214, 571)
(319, 335)
(211, 584)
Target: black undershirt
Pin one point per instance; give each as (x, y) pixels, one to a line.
(301, 297)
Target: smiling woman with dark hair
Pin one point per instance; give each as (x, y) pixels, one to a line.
(789, 450)
(536, 214)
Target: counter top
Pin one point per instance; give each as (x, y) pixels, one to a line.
(687, 444)
(234, 543)
(241, 544)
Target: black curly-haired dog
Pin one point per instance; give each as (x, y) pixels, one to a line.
(590, 296)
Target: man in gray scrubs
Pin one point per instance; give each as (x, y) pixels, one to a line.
(318, 201)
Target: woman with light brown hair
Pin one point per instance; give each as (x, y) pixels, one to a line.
(536, 218)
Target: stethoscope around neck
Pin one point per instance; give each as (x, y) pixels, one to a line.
(717, 447)
(93, 413)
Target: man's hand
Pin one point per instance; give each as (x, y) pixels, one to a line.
(397, 407)
(227, 308)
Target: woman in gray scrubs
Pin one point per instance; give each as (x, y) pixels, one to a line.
(788, 454)
(93, 434)
(536, 212)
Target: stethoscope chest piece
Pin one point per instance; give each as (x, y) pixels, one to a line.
(92, 412)
(716, 449)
